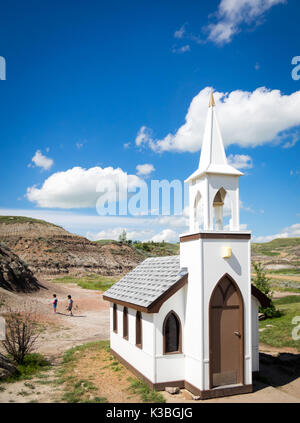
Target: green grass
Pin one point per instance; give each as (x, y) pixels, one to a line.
(148, 249)
(285, 285)
(141, 388)
(93, 281)
(279, 334)
(289, 299)
(157, 249)
(275, 247)
(295, 271)
(33, 364)
(78, 394)
(73, 353)
(78, 390)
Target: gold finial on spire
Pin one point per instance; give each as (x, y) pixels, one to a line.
(212, 100)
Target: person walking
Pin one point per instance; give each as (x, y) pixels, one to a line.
(54, 303)
(70, 305)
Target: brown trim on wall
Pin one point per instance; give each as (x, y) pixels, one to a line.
(173, 383)
(155, 306)
(211, 393)
(132, 369)
(126, 304)
(205, 235)
(218, 392)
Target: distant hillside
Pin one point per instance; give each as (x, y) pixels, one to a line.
(281, 252)
(51, 250)
(148, 249)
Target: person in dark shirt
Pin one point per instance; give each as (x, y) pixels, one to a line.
(70, 305)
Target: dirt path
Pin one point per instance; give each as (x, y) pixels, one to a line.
(283, 277)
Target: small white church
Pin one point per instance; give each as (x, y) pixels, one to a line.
(192, 320)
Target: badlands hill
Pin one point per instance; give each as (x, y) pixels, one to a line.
(14, 273)
(50, 250)
(277, 254)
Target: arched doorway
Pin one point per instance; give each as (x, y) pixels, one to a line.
(226, 334)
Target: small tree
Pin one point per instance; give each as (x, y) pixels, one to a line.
(123, 236)
(263, 283)
(21, 334)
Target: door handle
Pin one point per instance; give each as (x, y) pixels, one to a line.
(237, 333)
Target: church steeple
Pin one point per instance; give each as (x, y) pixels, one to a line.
(213, 158)
(213, 180)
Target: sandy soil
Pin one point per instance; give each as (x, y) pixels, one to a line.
(91, 322)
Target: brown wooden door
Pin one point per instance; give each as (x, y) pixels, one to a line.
(226, 334)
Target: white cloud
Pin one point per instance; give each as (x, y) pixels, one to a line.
(42, 161)
(245, 118)
(182, 49)
(78, 187)
(232, 14)
(145, 169)
(144, 136)
(167, 235)
(126, 145)
(240, 161)
(287, 232)
(79, 145)
(180, 32)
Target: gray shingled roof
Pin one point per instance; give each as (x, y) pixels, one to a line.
(148, 281)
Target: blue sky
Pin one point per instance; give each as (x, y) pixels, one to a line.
(93, 85)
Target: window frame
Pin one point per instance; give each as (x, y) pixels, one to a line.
(115, 318)
(179, 350)
(139, 325)
(125, 323)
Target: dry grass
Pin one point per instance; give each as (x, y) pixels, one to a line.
(90, 373)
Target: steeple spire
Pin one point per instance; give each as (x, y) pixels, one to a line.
(211, 100)
(213, 158)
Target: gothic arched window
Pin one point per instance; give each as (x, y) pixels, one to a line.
(172, 333)
(138, 329)
(218, 204)
(115, 319)
(125, 323)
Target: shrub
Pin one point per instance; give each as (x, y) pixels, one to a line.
(264, 285)
(21, 334)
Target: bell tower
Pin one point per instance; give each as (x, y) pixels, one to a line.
(216, 253)
(213, 182)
